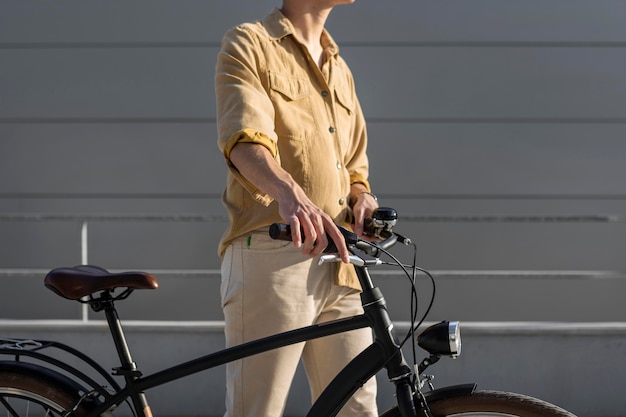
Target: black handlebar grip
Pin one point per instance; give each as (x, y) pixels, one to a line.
(280, 231)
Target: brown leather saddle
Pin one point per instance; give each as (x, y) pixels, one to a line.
(79, 281)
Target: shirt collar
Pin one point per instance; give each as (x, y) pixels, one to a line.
(278, 27)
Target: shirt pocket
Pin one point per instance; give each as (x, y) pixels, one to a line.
(291, 88)
(344, 99)
(345, 112)
(294, 116)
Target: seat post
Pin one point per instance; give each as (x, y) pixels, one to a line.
(128, 367)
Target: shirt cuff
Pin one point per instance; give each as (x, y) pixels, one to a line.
(250, 136)
(358, 178)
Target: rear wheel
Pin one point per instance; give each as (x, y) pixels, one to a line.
(23, 395)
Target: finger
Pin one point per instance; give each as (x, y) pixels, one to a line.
(336, 236)
(358, 222)
(310, 235)
(320, 243)
(359, 218)
(362, 210)
(296, 236)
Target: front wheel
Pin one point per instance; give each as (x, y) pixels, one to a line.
(490, 404)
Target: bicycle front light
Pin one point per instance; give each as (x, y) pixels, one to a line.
(441, 339)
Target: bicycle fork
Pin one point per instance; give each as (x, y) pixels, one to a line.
(398, 371)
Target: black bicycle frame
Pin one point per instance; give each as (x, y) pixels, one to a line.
(384, 352)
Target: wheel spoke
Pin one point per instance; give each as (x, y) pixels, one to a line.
(18, 403)
(10, 411)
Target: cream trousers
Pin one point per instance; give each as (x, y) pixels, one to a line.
(269, 287)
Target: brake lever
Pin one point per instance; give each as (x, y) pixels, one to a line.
(357, 260)
(333, 257)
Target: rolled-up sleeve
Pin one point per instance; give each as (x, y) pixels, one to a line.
(244, 110)
(249, 136)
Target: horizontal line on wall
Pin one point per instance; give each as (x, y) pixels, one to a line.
(497, 120)
(478, 196)
(381, 195)
(438, 274)
(106, 120)
(489, 44)
(513, 218)
(122, 217)
(170, 273)
(351, 44)
(370, 120)
(534, 329)
(519, 274)
(219, 218)
(116, 196)
(107, 45)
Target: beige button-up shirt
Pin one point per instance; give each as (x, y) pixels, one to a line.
(271, 92)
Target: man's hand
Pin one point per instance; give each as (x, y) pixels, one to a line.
(363, 206)
(256, 164)
(300, 212)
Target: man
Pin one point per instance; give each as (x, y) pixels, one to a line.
(293, 136)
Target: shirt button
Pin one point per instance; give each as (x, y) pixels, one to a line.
(331, 129)
(324, 93)
(338, 165)
(341, 201)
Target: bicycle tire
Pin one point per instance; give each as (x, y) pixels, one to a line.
(28, 393)
(490, 404)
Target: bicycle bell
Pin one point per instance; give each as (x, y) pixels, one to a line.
(382, 222)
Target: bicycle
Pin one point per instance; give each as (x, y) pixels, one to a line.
(35, 382)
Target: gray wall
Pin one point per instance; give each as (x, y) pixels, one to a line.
(496, 131)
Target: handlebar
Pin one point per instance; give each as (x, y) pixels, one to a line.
(280, 231)
(383, 219)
